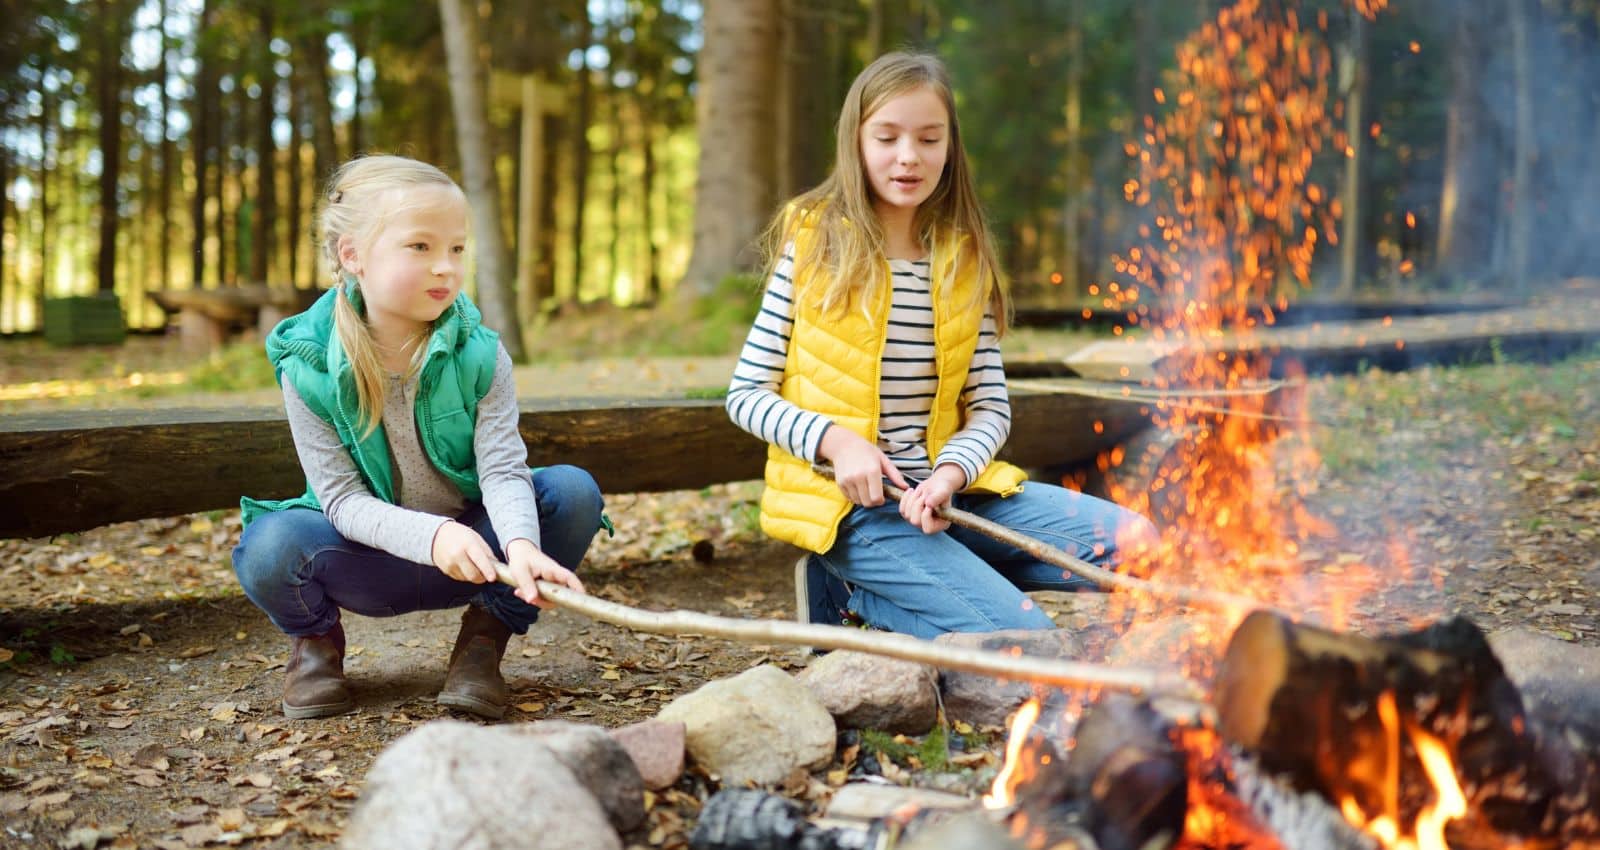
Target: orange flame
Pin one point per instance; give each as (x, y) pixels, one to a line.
(1449, 802)
(1013, 773)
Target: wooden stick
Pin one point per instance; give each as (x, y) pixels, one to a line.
(1047, 671)
(1228, 603)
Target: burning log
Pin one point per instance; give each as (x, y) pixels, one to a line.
(1394, 727)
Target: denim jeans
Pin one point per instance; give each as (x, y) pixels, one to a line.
(959, 580)
(301, 572)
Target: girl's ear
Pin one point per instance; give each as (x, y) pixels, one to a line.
(348, 260)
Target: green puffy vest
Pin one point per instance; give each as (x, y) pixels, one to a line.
(456, 373)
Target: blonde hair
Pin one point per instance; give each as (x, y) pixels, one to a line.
(355, 206)
(848, 249)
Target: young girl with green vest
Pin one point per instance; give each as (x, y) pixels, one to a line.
(876, 350)
(404, 415)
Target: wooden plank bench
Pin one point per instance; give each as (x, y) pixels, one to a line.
(207, 316)
(74, 470)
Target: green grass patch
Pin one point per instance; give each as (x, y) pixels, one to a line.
(931, 753)
(679, 327)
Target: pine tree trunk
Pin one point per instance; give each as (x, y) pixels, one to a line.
(169, 165)
(530, 179)
(735, 180)
(1072, 263)
(46, 119)
(647, 218)
(204, 114)
(1352, 237)
(266, 208)
(1468, 201)
(1521, 222)
(463, 52)
(108, 88)
(580, 154)
(295, 173)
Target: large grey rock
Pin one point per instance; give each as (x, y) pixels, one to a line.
(456, 786)
(756, 727)
(865, 691)
(985, 700)
(600, 762)
(1559, 681)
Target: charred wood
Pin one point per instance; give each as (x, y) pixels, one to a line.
(1310, 703)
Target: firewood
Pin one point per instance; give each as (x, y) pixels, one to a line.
(1311, 703)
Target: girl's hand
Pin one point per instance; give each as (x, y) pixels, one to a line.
(527, 563)
(921, 504)
(859, 467)
(462, 554)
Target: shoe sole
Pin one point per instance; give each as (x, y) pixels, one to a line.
(472, 705)
(308, 712)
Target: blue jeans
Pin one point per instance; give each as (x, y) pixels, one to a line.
(301, 572)
(961, 580)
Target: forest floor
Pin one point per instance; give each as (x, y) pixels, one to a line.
(139, 689)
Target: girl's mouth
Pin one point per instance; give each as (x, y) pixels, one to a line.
(439, 294)
(906, 182)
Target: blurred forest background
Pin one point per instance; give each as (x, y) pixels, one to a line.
(625, 152)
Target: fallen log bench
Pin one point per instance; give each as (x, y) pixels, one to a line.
(80, 469)
(206, 317)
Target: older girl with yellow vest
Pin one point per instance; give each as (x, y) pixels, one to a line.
(876, 350)
(404, 414)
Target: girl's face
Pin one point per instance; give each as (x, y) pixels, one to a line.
(412, 268)
(904, 144)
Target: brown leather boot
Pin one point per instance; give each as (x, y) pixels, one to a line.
(313, 681)
(474, 683)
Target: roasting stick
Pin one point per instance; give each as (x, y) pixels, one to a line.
(1049, 671)
(1228, 603)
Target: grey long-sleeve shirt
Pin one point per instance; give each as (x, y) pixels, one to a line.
(425, 497)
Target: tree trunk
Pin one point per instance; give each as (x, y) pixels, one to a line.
(1520, 222)
(357, 35)
(647, 217)
(48, 105)
(734, 182)
(1353, 236)
(804, 131)
(205, 94)
(108, 89)
(266, 207)
(1468, 198)
(292, 179)
(580, 152)
(170, 168)
(1072, 265)
(10, 291)
(464, 55)
(550, 186)
(314, 46)
(530, 179)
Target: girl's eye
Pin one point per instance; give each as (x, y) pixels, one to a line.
(418, 246)
(459, 249)
(930, 141)
(885, 140)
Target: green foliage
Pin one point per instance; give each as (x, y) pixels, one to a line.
(59, 655)
(932, 753)
(241, 366)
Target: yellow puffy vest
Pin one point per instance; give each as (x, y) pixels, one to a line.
(834, 368)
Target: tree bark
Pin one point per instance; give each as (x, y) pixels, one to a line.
(1468, 197)
(170, 168)
(108, 88)
(734, 184)
(1520, 221)
(266, 206)
(1072, 265)
(292, 179)
(530, 207)
(325, 146)
(580, 153)
(464, 52)
(1353, 238)
(203, 114)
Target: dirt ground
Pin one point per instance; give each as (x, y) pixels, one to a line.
(139, 689)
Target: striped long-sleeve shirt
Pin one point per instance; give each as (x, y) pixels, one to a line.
(909, 380)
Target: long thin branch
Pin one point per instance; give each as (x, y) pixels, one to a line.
(1225, 602)
(1031, 669)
